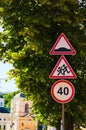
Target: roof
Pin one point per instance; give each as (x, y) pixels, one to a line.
(4, 110)
(22, 95)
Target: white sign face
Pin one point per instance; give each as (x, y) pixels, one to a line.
(62, 91)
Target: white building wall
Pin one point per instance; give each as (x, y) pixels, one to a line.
(51, 128)
(4, 119)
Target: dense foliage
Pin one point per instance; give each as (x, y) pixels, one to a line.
(31, 27)
(8, 97)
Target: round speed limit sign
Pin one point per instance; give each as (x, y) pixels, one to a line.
(62, 91)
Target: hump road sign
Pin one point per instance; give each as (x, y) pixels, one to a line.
(62, 46)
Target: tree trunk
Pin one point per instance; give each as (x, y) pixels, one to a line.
(68, 122)
(58, 125)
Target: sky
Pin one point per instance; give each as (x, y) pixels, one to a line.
(10, 85)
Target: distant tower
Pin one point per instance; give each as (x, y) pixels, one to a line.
(20, 106)
(21, 116)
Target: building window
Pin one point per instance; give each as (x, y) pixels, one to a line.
(0, 119)
(26, 108)
(1, 104)
(22, 124)
(4, 119)
(4, 127)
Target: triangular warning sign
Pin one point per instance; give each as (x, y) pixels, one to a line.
(62, 46)
(62, 70)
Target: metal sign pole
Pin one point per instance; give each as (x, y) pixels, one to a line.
(63, 117)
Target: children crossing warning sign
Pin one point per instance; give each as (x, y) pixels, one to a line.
(62, 70)
(62, 46)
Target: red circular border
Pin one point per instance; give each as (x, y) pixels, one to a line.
(65, 101)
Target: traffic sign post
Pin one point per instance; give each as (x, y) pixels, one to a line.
(62, 121)
(62, 91)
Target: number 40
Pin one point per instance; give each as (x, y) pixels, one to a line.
(64, 91)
